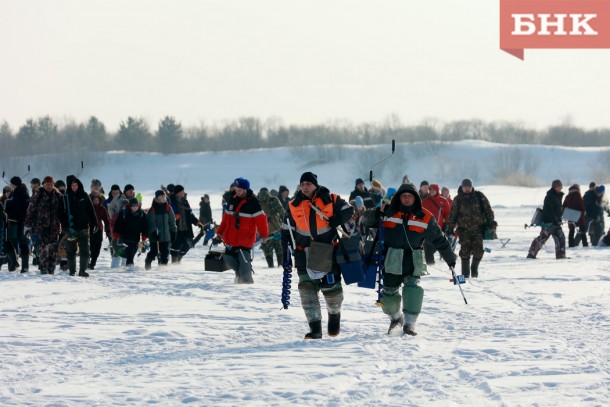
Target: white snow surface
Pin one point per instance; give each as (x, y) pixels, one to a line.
(534, 332)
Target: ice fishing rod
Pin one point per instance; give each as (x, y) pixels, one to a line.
(8, 183)
(82, 167)
(372, 172)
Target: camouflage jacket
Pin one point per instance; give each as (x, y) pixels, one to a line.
(43, 213)
(470, 212)
(273, 209)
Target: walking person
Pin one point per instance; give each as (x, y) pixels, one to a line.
(313, 216)
(96, 237)
(17, 243)
(275, 213)
(77, 217)
(440, 209)
(162, 230)
(185, 220)
(577, 230)
(471, 212)
(43, 218)
(241, 219)
(406, 226)
(130, 228)
(551, 223)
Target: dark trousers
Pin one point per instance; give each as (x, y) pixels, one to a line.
(78, 240)
(160, 249)
(130, 251)
(182, 244)
(95, 243)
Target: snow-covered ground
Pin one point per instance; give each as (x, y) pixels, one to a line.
(534, 332)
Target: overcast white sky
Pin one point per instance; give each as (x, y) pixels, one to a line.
(302, 61)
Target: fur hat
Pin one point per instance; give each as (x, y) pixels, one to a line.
(48, 178)
(115, 187)
(128, 187)
(309, 177)
(16, 181)
(241, 183)
(178, 188)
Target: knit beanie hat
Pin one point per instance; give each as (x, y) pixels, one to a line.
(359, 181)
(178, 188)
(128, 187)
(309, 177)
(556, 183)
(466, 182)
(48, 178)
(241, 183)
(134, 202)
(16, 181)
(159, 192)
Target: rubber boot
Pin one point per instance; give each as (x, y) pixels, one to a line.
(334, 324)
(466, 267)
(315, 330)
(474, 268)
(269, 259)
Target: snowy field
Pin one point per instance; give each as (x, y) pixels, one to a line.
(534, 332)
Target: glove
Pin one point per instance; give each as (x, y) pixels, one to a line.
(154, 235)
(172, 236)
(379, 214)
(335, 222)
(451, 264)
(216, 240)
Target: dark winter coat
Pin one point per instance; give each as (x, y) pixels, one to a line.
(366, 197)
(552, 209)
(241, 219)
(574, 201)
(408, 227)
(130, 225)
(43, 214)
(470, 211)
(592, 207)
(184, 215)
(205, 212)
(76, 212)
(161, 222)
(16, 205)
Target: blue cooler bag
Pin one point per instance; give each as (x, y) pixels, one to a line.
(349, 259)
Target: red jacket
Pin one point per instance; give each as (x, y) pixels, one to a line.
(437, 205)
(240, 221)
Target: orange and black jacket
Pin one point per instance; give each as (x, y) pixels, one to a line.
(307, 225)
(408, 227)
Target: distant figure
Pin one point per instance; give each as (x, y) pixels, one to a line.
(551, 223)
(471, 212)
(574, 201)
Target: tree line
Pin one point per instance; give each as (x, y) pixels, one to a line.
(43, 135)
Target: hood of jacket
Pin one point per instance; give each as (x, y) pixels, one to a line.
(69, 181)
(416, 208)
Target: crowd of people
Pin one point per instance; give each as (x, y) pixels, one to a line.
(60, 221)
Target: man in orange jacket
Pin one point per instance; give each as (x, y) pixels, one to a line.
(313, 216)
(241, 219)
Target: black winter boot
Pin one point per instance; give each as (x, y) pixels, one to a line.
(315, 330)
(396, 322)
(280, 262)
(25, 263)
(334, 324)
(466, 267)
(474, 268)
(269, 259)
(12, 261)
